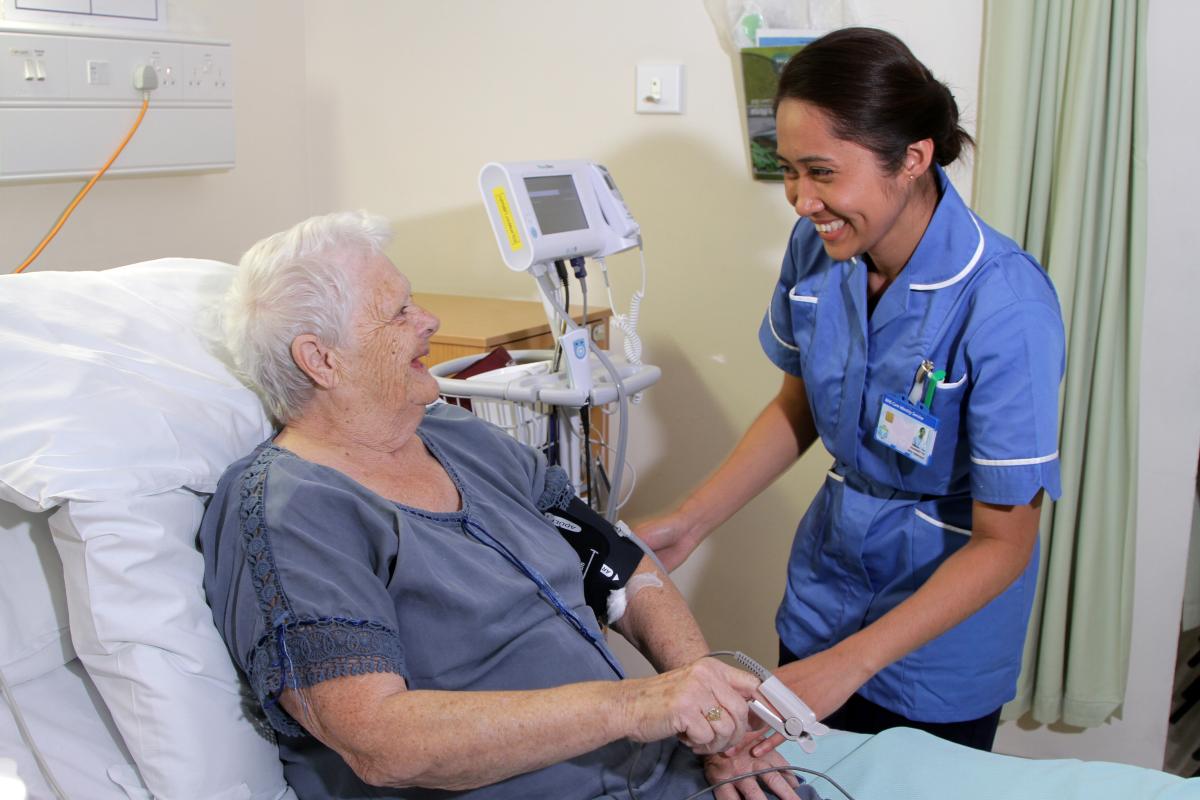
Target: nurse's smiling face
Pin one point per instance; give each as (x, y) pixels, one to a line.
(840, 186)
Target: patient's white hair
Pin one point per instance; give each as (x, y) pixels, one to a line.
(293, 283)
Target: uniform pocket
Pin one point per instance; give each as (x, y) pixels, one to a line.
(949, 406)
(802, 306)
(949, 396)
(986, 646)
(936, 535)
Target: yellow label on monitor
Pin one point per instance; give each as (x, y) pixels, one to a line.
(506, 216)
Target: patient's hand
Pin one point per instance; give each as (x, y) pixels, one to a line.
(703, 703)
(739, 761)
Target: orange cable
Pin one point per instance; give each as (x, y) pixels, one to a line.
(83, 192)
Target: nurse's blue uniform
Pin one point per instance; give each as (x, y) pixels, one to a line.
(981, 309)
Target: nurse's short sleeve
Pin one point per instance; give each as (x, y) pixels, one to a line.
(311, 601)
(1016, 362)
(775, 332)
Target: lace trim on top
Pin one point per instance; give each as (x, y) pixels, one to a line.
(303, 654)
(557, 491)
(298, 653)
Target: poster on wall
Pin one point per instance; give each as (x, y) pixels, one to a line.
(761, 66)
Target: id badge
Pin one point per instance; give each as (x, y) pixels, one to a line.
(909, 430)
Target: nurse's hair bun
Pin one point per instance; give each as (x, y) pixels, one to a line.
(953, 139)
(876, 94)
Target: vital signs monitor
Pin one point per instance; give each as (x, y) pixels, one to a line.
(544, 211)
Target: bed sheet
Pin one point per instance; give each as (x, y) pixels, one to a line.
(906, 764)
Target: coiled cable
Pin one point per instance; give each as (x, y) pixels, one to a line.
(628, 323)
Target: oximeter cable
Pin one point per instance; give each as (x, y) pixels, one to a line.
(712, 789)
(761, 673)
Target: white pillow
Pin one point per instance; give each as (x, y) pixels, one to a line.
(76, 737)
(115, 406)
(146, 636)
(34, 637)
(111, 386)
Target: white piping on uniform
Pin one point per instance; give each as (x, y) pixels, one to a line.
(802, 298)
(771, 322)
(955, 385)
(1013, 462)
(924, 287)
(939, 523)
(835, 476)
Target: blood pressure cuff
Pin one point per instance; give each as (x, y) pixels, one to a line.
(606, 558)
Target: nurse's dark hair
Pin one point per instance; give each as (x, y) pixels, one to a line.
(876, 94)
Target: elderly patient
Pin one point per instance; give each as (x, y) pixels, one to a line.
(372, 568)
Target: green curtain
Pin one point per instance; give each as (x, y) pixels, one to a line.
(1061, 168)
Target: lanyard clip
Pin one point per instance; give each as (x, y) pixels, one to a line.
(918, 385)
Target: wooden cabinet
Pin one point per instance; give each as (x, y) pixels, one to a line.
(481, 324)
(472, 325)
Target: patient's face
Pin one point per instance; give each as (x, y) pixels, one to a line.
(391, 335)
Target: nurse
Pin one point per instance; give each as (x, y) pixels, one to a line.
(897, 309)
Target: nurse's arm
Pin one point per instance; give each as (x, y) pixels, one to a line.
(782, 431)
(998, 551)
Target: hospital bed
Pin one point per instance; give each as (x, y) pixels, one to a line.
(118, 413)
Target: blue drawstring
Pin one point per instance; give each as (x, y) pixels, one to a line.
(544, 589)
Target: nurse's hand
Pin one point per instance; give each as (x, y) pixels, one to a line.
(670, 537)
(739, 761)
(825, 681)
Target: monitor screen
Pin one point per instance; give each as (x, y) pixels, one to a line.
(556, 204)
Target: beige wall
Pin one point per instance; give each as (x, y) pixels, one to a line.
(216, 215)
(408, 100)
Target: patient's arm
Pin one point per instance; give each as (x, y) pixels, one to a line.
(457, 740)
(659, 624)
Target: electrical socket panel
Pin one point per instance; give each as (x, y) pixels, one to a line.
(33, 68)
(66, 99)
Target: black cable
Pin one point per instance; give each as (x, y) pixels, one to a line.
(578, 265)
(585, 417)
(552, 435)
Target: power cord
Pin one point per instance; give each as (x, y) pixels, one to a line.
(145, 79)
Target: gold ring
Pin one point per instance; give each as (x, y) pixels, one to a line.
(713, 714)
